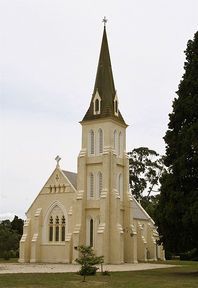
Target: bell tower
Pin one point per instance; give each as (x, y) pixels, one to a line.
(103, 194)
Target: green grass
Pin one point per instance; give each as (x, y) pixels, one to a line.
(182, 276)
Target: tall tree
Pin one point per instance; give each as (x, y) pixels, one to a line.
(177, 214)
(145, 168)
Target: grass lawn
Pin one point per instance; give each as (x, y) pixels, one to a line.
(185, 275)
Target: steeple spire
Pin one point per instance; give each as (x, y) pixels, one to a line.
(104, 87)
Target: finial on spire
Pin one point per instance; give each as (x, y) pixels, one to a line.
(57, 160)
(104, 20)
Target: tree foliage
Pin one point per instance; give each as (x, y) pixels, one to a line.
(145, 169)
(177, 214)
(10, 234)
(88, 261)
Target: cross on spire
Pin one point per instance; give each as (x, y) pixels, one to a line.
(104, 20)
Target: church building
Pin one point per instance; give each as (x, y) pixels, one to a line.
(93, 206)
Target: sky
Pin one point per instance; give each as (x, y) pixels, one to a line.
(49, 51)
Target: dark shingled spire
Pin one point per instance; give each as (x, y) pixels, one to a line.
(104, 84)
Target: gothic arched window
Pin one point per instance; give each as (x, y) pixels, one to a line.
(91, 142)
(56, 225)
(96, 104)
(99, 183)
(97, 107)
(51, 229)
(57, 229)
(91, 185)
(120, 144)
(100, 140)
(120, 186)
(115, 141)
(91, 232)
(63, 229)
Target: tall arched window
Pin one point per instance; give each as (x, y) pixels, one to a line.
(57, 229)
(100, 140)
(99, 184)
(97, 107)
(120, 186)
(91, 185)
(63, 229)
(51, 229)
(96, 104)
(120, 144)
(115, 143)
(91, 141)
(91, 232)
(116, 105)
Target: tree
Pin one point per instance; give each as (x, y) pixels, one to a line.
(9, 240)
(177, 213)
(145, 168)
(88, 261)
(10, 234)
(17, 225)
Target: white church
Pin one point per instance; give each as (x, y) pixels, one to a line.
(93, 206)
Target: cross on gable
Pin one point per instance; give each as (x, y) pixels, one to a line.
(57, 160)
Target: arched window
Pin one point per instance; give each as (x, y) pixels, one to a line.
(100, 140)
(51, 229)
(116, 105)
(56, 225)
(97, 107)
(115, 143)
(91, 185)
(96, 104)
(120, 144)
(91, 141)
(91, 232)
(99, 184)
(57, 229)
(120, 186)
(63, 229)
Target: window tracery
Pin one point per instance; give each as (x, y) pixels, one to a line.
(56, 225)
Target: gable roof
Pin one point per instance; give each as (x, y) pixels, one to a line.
(139, 212)
(104, 85)
(72, 177)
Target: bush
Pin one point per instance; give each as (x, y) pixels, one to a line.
(190, 255)
(88, 271)
(168, 255)
(6, 255)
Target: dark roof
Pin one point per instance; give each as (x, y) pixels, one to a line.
(104, 84)
(72, 177)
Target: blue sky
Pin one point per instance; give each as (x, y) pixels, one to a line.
(48, 59)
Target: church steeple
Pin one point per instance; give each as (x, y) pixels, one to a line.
(104, 102)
